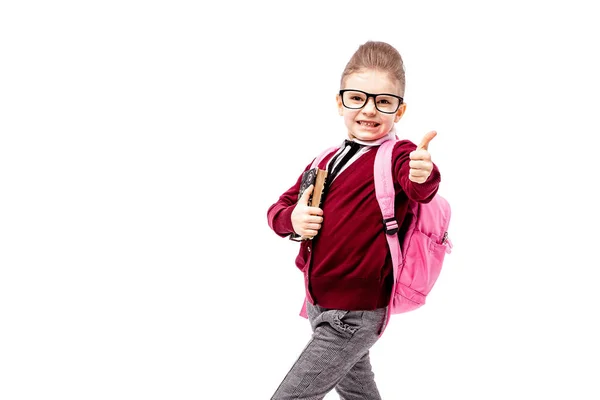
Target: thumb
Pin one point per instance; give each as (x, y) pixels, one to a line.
(426, 139)
(306, 195)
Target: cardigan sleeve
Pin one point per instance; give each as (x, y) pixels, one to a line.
(279, 214)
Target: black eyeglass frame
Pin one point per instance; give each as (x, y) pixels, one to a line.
(374, 96)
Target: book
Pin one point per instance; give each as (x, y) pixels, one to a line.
(317, 177)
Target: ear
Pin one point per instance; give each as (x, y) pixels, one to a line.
(400, 112)
(340, 106)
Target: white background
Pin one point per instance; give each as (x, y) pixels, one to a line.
(142, 143)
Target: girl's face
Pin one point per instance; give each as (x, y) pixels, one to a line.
(368, 123)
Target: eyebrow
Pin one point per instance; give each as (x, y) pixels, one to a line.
(373, 94)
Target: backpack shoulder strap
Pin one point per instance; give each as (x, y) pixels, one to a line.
(323, 154)
(384, 185)
(384, 190)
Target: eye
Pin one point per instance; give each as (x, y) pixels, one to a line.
(386, 100)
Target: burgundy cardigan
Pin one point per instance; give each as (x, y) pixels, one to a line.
(347, 265)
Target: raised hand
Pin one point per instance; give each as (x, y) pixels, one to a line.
(420, 160)
(306, 220)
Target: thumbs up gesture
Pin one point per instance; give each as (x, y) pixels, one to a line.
(420, 160)
(306, 220)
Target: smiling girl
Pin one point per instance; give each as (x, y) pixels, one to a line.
(347, 265)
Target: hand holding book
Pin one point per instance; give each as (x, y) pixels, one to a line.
(307, 215)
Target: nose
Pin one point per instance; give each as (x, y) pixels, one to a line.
(369, 107)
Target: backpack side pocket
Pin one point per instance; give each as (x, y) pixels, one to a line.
(422, 266)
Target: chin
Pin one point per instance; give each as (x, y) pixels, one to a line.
(368, 137)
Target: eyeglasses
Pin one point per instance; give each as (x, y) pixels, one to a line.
(384, 102)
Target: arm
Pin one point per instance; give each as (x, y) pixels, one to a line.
(279, 215)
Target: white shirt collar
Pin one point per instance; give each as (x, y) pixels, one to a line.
(367, 146)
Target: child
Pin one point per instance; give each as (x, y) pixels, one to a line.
(345, 259)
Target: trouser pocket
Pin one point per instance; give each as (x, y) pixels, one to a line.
(343, 321)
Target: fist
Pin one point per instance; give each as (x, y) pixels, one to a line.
(420, 160)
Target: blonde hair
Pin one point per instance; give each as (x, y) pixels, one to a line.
(380, 56)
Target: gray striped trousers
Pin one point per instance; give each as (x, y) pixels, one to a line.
(337, 356)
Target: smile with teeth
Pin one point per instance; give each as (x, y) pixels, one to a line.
(369, 124)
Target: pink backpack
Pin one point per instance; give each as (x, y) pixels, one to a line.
(418, 262)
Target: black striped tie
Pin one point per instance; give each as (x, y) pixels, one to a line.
(334, 168)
